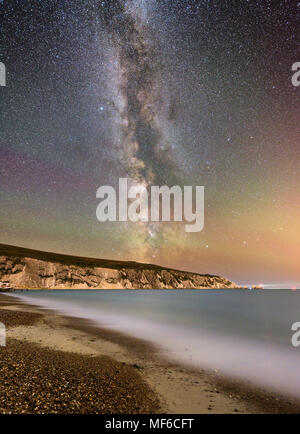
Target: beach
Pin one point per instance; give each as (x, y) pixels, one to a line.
(57, 364)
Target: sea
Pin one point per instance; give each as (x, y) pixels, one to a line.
(248, 335)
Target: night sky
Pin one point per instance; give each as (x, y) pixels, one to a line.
(163, 92)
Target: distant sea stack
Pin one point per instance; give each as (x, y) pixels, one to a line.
(33, 269)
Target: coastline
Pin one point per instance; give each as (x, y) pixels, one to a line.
(24, 268)
(140, 379)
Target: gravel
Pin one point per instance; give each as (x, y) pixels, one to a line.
(40, 380)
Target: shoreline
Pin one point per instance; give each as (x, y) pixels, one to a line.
(172, 387)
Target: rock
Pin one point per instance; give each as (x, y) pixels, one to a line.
(25, 268)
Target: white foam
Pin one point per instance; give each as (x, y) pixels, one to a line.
(273, 365)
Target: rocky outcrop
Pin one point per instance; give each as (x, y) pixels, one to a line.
(25, 268)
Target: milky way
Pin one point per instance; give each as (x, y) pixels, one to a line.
(141, 146)
(164, 92)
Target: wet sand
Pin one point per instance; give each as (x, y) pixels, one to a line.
(57, 364)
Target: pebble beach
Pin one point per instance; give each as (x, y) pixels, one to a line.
(58, 365)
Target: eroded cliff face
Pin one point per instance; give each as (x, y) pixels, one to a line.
(28, 272)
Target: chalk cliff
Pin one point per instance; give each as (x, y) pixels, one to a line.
(25, 268)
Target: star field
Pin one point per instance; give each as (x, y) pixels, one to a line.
(163, 92)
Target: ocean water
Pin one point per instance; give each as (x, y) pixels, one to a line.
(241, 333)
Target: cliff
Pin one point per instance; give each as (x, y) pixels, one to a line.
(25, 268)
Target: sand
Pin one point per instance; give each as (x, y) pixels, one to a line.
(64, 351)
